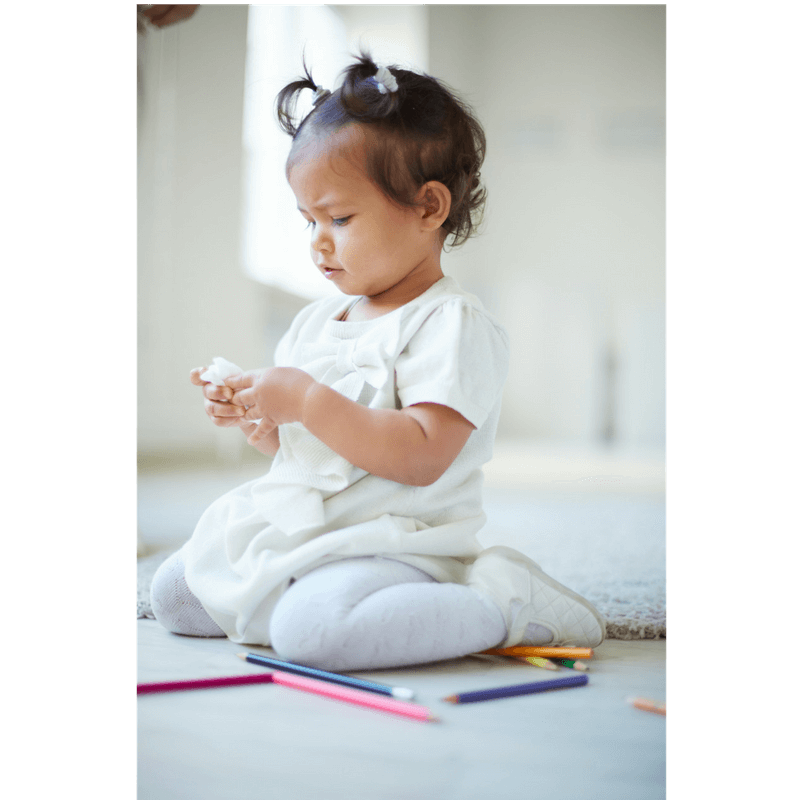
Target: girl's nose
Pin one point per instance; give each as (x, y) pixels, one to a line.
(319, 240)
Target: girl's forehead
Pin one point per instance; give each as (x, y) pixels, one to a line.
(337, 158)
(315, 174)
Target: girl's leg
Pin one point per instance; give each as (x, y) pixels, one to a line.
(174, 605)
(375, 613)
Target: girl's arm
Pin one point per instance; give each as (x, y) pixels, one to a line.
(413, 445)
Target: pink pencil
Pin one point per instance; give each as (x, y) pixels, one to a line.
(201, 683)
(357, 696)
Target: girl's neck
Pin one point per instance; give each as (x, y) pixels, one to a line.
(415, 284)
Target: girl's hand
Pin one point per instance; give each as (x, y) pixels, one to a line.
(166, 15)
(217, 401)
(275, 396)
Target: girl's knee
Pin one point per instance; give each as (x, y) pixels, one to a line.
(298, 631)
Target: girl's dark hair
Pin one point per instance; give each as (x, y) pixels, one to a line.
(421, 132)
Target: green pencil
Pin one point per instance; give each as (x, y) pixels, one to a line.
(572, 664)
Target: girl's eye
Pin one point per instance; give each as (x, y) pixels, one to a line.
(338, 222)
(310, 224)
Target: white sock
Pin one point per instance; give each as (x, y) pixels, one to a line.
(535, 635)
(174, 605)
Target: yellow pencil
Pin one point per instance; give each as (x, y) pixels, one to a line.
(544, 652)
(544, 663)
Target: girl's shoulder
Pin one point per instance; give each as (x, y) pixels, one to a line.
(447, 306)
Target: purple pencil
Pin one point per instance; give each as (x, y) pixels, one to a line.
(202, 683)
(521, 688)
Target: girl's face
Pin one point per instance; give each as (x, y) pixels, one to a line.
(360, 240)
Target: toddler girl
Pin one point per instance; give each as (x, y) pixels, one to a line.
(358, 549)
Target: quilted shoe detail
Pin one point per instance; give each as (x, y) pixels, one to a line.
(538, 598)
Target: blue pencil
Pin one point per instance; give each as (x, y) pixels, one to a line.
(520, 688)
(331, 677)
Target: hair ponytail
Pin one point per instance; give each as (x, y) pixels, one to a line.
(361, 96)
(286, 101)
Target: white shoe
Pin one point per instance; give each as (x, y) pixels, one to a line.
(536, 598)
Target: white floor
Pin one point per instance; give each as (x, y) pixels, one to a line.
(267, 741)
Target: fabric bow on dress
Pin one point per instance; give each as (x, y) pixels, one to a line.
(305, 466)
(337, 363)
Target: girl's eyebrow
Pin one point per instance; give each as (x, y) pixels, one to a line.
(337, 201)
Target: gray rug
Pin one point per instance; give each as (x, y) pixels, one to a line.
(146, 568)
(609, 549)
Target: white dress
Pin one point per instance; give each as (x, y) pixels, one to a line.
(313, 506)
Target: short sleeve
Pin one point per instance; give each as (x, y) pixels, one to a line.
(457, 358)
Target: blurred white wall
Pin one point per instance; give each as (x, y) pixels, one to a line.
(572, 255)
(572, 98)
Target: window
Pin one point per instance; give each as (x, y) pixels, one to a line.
(274, 237)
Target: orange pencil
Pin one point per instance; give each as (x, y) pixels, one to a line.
(649, 705)
(544, 652)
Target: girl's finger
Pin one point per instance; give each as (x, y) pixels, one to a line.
(194, 376)
(260, 431)
(223, 409)
(244, 380)
(253, 413)
(244, 397)
(220, 393)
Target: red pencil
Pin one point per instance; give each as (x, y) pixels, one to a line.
(202, 683)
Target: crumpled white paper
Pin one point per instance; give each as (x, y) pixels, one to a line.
(220, 369)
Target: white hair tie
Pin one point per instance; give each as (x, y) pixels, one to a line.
(385, 80)
(319, 95)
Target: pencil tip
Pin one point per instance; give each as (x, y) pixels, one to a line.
(243, 656)
(452, 699)
(431, 718)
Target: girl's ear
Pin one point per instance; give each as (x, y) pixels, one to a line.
(434, 201)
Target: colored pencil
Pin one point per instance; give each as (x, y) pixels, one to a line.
(332, 677)
(355, 696)
(521, 688)
(649, 705)
(572, 664)
(544, 663)
(201, 683)
(544, 652)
